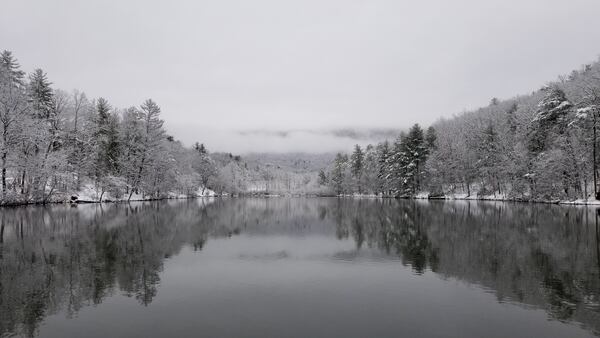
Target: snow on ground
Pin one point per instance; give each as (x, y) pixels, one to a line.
(475, 197)
(582, 202)
(423, 195)
(503, 197)
(88, 193)
(205, 192)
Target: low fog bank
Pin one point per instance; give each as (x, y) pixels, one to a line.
(315, 141)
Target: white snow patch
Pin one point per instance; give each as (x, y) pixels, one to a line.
(90, 194)
(205, 192)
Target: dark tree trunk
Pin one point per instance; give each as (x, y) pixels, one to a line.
(4, 172)
(595, 163)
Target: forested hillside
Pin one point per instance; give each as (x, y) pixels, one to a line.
(57, 145)
(270, 174)
(540, 146)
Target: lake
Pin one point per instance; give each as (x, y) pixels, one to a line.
(300, 267)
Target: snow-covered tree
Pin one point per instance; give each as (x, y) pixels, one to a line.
(551, 114)
(40, 93)
(107, 139)
(338, 175)
(356, 167)
(14, 111)
(204, 166)
(152, 136)
(323, 178)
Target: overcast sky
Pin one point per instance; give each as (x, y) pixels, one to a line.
(224, 66)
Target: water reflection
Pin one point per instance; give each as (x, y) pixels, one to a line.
(60, 259)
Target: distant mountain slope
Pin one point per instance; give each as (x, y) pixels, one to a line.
(270, 173)
(293, 162)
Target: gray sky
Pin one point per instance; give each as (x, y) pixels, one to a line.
(220, 67)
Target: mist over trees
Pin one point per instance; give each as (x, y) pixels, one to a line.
(541, 146)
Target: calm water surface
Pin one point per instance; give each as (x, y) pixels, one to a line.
(300, 268)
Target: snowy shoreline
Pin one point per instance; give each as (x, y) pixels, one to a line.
(514, 200)
(87, 199)
(88, 194)
(104, 201)
(472, 197)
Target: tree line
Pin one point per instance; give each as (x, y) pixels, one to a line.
(53, 143)
(541, 146)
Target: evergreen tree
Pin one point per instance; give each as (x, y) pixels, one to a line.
(338, 173)
(489, 161)
(511, 119)
(14, 110)
(102, 110)
(152, 136)
(370, 170)
(132, 136)
(322, 178)
(204, 165)
(356, 166)
(415, 153)
(107, 138)
(397, 165)
(11, 69)
(383, 154)
(430, 139)
(41, 94)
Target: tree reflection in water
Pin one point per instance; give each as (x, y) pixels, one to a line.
(60, 258)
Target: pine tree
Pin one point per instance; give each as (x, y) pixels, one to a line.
(107, 138)
(489, 161)
(102, 110)
(370, 170)
(132, 135)
(511, 119)
(11, 69)
(41, 94)
(14, 109)
(430, 139)
(204, 165)
(383, 154)
(322, 178)
(338, 173)
(356, 166)
(397, 162)
(415, 152)
(153, 134)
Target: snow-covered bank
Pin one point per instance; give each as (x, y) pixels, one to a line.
(90, 194)
(475, 197)
(504, 198)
